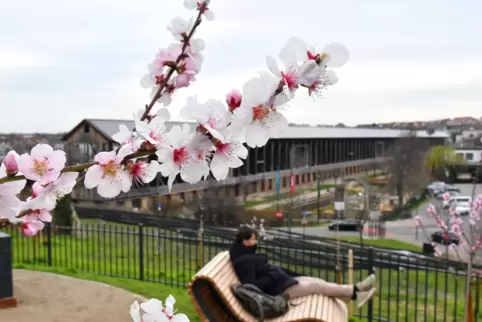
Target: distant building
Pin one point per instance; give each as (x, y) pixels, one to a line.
(305, 151)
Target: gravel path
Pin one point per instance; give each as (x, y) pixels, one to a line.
(45, 297)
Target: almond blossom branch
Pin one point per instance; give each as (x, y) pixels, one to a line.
(217, 145)
(79, 167)
(173, 66)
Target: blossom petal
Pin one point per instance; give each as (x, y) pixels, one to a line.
(147, 81)
(93, 176)
(219, 166)
(108, 189)
(150, 172)
(168, 168)
(135, 312)
(273, 66)
(105, 157)
(152, 306)
(180, 318)
(337, 55)
(164, 114)
(57, 160)
(257, 135)
(330, 77)
(194, 172)
(40, 151)
(298, 46)
(123, 135)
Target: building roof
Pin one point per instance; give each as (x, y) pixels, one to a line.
(109, 127)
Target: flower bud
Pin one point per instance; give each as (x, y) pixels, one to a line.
(233, 99)
(10, 163)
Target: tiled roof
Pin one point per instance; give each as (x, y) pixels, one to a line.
(110, 127)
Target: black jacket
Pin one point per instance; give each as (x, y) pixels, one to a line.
(252, 268)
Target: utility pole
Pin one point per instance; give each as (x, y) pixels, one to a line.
(318, 197)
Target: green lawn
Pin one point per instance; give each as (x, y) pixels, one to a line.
(385, 243)
(172, 259)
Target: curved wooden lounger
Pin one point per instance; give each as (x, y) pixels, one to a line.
(210, 293)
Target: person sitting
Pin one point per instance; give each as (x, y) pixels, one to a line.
(254, 268)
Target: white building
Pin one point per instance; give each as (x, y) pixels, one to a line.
(471, 155)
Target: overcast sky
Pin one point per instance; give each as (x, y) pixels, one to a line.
(62, 61)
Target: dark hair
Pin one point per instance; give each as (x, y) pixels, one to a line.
(245, 233)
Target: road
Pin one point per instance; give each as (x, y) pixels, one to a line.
(403, 230)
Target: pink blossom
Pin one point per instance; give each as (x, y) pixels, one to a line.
(143, 172)
(212, 116)
(446, 196)
(55, 190)
(182, 156)
(10, 162)
(31, 228)
(154, 131)
(233, 99)
(180, 28)
(43, 164)
(187, 69)
(37, 212)
(418, 220)
(431, 209)
(228, 155)
(184, 80)
(109, 175)
(200, 5)
(9, 202)
(456, 229)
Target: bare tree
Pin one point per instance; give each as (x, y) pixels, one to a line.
(406, 166)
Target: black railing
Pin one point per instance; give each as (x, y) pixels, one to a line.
(410, 288)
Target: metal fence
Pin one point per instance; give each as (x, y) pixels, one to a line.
(410, 288)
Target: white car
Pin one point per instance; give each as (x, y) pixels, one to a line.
(462, 205)
(447, 203)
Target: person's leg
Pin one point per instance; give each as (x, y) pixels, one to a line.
(312, 285)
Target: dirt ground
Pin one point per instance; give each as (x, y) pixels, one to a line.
(44, 297)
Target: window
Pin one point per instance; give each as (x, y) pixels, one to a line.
(86, 128)
(469, 156)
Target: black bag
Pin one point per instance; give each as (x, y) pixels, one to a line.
(259, 304)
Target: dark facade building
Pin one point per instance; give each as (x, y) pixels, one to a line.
(305, 151)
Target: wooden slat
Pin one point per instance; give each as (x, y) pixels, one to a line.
(220, 273)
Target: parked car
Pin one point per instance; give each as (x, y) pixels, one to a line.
(462, 205)
(443, 238)
(453, 196)
(436, 187)
(450, 188)
(346, 225)
(403, 256)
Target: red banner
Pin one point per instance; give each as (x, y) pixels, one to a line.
(292, 184)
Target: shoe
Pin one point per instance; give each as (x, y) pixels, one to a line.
(363, 297)
(367, 284)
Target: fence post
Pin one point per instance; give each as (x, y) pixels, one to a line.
(350, 279)
(141, 251)
(49, 244)
(371, 270)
